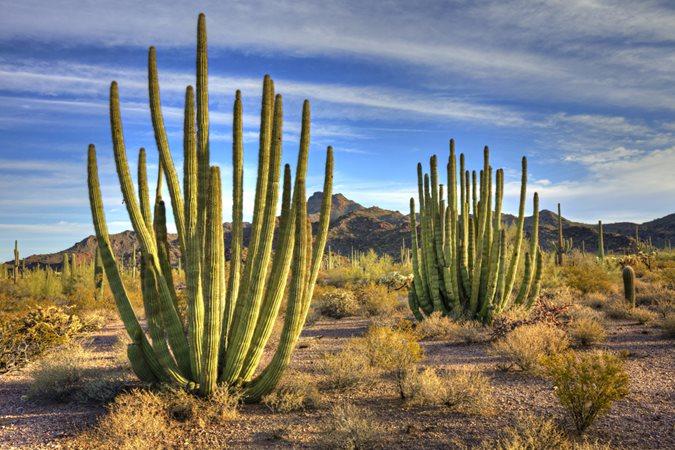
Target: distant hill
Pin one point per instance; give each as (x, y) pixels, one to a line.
(354, 226)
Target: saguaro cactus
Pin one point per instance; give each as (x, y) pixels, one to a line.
(65, 270)
(560, 247)
(16, 261)
(628, 275)
(460, 262)
(229, 321)
(601, 241)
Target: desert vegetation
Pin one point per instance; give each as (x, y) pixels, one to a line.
(477, 335)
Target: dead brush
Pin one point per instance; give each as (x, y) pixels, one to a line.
(296, 391)
(524, 347)
(350, 427)
(463, 390)
(587, 331)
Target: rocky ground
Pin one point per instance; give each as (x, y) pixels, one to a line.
(645, 419)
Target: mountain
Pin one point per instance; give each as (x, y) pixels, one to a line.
(340, 205)
(356, 227)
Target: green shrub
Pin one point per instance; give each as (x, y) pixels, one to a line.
(389, 349)
(338, 303)
(586, 384)
(436, 326)
(589, 277)
(526, 345)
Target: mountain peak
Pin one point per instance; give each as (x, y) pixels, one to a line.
(341, 205)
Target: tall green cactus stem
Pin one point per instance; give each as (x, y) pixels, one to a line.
(65, 270)
(601, 241)
(628, 275)
(560, 249)
(460, 262)
(229, 319)
(15, 268)
(98, 275)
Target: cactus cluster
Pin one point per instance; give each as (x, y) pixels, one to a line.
(229, 318)
(461, 265)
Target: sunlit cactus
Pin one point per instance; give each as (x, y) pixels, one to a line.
(628, 275)
(601, 241)
(460, 263)
(229, 318)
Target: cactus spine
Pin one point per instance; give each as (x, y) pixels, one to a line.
(601, 241)
(15, 268)
(229, 320)
(460, 265)
(628, 275)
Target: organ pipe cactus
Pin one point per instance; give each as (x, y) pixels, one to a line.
(229, 318)
(628, 275)
(461, 265)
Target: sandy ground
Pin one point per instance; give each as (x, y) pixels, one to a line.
(645, 419)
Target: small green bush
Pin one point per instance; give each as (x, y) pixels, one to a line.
(586, 384)
(338, 303)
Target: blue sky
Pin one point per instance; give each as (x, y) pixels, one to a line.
(584, 89)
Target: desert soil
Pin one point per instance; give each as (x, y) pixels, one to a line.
(645, 419)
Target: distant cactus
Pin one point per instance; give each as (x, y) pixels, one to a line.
(16, 261)
(133, 261)
(629, 285)
(601, 241)
(563, 246)
(229, 320)
(460, 262)
(65, 269)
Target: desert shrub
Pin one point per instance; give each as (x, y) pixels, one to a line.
(364, 268)
(616, 308)
(578, 312)
(668, 324)
(389, 349)
(376, 299)
(463, 390)
(348, 368)
(137, 419)
(34, 332)
(338, 303)
(589, 277)
(586, 384)
(66, 375)
(184, 407)
(470, 332)
(436, 326)
(526, 345)
(353, 428)
(587, 331)
(296, 391)
(594, 300)
(534, 433)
